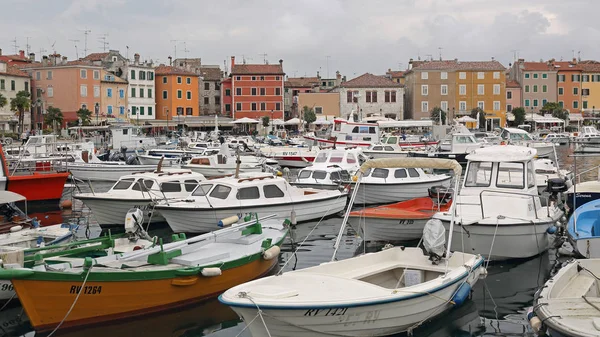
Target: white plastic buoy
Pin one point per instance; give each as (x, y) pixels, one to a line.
(271, 253)
(228, 221)
(16, 228)
(293, 218)
(536, 324)
(214, 271)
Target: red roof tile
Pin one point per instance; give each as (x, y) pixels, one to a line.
(590, 66)
(368, 80)
(12, 70)
(257, 69)
(170, 70)
(95, 57)
(567, 66)
(537, 66)
(458, 65)
(302, 82)
(512, 84)
(396, 74)
(211, 73)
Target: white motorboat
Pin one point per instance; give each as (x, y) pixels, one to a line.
(384, 185)
(393, 146)
(588, 135)
(376, 294)
(260, 193)
(223, 163)
(520, 137)
(289, 156)
(171, 156)
(499, 208)
(142, 190)
(556, 138)
(567, 305)
(330, 169)
(456, 146)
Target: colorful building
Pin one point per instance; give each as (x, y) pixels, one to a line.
(326, 105)
(12, 80)
(513, 95)
(396, 76)
(227, 100)
(428, 85)
(538, 83)
(257, 90)
(176, 93)
(590, 85)
(141, 91)
(113, 100)
(569, 85)
(294, 86)
(371, 95)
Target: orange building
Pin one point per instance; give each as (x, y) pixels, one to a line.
(176, 93)
(569, 85)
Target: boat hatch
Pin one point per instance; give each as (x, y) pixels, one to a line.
(400, 277)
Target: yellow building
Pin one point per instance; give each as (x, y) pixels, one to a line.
(590, 85)
(113, 96)
(326, 105)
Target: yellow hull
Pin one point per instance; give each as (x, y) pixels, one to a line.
(47, 302)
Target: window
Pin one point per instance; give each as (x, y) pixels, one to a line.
(561, 104)
(277, 78)
(526, 102)
(479, 174)
(50, 92)
(319, 175)
(496, 89)
(481, 105)
(179, 94)
(535, 88)
(170, 186)
(132, 92)
(278, 106)
(374, 96)
(165, 94)
(238, 91)
(123, 184)
(575, 104)
(561, 91)
(149, 111)
(400, 173)
(150, 75)
(424, 75)
(277, 91)
(220, 192)
(393, 96)
(480, 89)
(247, 193)
(480, 75)
(263, 106)
(227, 107)
(585, 78)
(544, 101)
(462, 75)
(575, 78)
(164, 79)
(253, 106)
(263, 91)
(561, 78)
(544, 88)
(496, 74)
(188, 111)
(13, 85)
(462, 106)
(444, 75)
(206, 100)
(424, 89)
(424, 106)
(386, 97)
(509, 107)
(142, 110)
(133, 76)
(83, 91)
(585, 104)
(121, 110)
(188, 80)
(526, 75)
(109, 92)
(179, 80)
(527, 88)
(238, 106)
(143, 185)
(535, 75)
(38, 75)
(189, 185)
(83, 73)
(413, 173)
(462, 89)
(253, 91)
(237, 78)
(142, 75)
(227, 92)
(49, 75)
(444, 105)
(575, 91)
(508, 94)
(149, 93)
(188, 95)
(109, 110)
(142, 92)
(585, 92)
(496, 105)
(380, 173)
(203, 189)
(121, 93)
(444, 89)
(133, 111)
(254, 78)
(510, 175)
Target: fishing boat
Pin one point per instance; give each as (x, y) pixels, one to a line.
(384, 185)
(456, 146)
(556, 138)
(588, 135)
(223, 163)
(348, 134)
(167, 275)
(546, 169)
(401, 221)
(499, 206)
(140, 189)
(392, 146)
(583, 230)
(376, 294)
(330, 169)
(567, 305)
(521, 137)
(171, 156)
(260, 193)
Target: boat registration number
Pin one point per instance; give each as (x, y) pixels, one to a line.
(6, 287)
(326, 312)
(87, 290)
(406, 222)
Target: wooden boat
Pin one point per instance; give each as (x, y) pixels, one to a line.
(148, 280)
(376, 294)
(567, 305)
(401, 221)
(583, 230)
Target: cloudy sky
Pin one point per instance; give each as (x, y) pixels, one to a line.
(309, 35)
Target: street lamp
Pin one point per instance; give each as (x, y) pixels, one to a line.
(532, 122)
(97, 111)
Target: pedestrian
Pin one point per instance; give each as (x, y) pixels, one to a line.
(23, 138)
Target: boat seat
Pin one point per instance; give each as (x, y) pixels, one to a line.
(201, 256)
(74, 262)
(242, 240)
(579, 286)
(369, 270)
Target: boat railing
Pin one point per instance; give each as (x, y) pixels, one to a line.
(510, 193)
(578, 175)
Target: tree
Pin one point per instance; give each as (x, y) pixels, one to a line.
(19, 104)
(309, 114)
(556, 110)
(265, 121)
(435, 115)
(519, 114)
(3, 101)
(85, 115)
(478, 111)
(53, 117)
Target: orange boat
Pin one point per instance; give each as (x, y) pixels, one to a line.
(402, 221)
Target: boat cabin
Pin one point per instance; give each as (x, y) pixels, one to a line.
(158, 184)
(347, 159)
(515, 135)
(130, 137)
(355, 132)
(391, 175)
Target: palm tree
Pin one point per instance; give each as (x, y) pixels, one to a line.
(3, 101)
(19, 104)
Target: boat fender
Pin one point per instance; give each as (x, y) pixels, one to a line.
(534, 321)
(16, 228)
(228, 221)
(214, 271)
(551, 230)
(293, 218)
(271, 253)
(462, 294)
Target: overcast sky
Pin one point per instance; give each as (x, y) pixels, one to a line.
(358, 36)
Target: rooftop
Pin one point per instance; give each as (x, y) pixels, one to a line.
(257, 69)
(512, 84)
(590, 66)
(302, 82)
(95, 57)
(368, 80)
(395, 74)
(537, 66)
(457, 65)
(170, 70)
(211, 73)
(12, 70)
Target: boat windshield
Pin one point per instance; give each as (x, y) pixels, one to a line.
(336, 159)
(304, 174)
(220, 192)
(464, 139)
(202, 190)
(321, 157)
(520, 136)
(380, 173)
(319, 175)
(479, 174)
(170, 186)
(510, 175)
(143, 185)
(123, 184)
(392, 140)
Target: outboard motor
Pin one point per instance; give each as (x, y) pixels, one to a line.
(556, 186)
(131, 160)
(434, 240)
(134, 220)
(440, 194)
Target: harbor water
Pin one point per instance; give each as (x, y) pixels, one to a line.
(497, 307)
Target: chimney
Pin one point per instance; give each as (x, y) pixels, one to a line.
(318, 75)
(22, 53)
(170, 61)
(338, 76)
(281, 63)
(521, 60)
(493, 58)
(44, 60)
(2, 67)
(136, 58)
(64, 60)
(31, 57)
(574, 60)
(0, 51)
(232, 63)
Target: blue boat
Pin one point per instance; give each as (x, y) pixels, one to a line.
(584, 229)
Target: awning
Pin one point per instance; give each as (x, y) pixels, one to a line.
(410, 162)
(576, 117)
(293, 121)
(466, 119)
(539, 119)
(405, 123)
(245, 120)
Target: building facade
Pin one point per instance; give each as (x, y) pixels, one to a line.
(294, 86)
(13, 80)
(141, 90)
(569, 85)
(396, 76)
(257, 90)
(176, 93)
(590, 85)
(113, 100)
(209, 84)
(326, 105)
(369, 95)
(513, 95)
(428, 85)
(538, 83)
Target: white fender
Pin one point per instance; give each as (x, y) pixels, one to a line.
(271, 253)
(214, 271)
(16, 228)
(228, 221)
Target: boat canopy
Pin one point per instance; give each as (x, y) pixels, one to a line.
(502, 153)
(8, 197)
(410, 162)
(405, 123)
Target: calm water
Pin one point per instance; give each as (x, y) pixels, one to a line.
(497, 308)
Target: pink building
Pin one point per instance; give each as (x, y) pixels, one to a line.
(513, 95)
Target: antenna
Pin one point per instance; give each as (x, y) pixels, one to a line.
(440, 50)
(27, 46)
(53, 49)
(573, 51)
(429, 56)
(400, 65)
(327, 58)
(185, 50)
(76, 52)
(42, 51)
(102, 40)
(15, 45)
(264, 55)
(515, 54)
(86, 32)
(175, 47)
(579, 55)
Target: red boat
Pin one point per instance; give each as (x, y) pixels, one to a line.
(41, 184)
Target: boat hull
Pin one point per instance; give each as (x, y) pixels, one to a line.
(385, 154)
(369, 193)
(378, 229)
(29, 185)
(319, 186)
(47, 302)
(202, 220)
(112, 211)
(106, 172)
(209, 171)
(154, 160)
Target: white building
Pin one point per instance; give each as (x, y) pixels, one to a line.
(141, 91)
(12, 80)
(371, 95)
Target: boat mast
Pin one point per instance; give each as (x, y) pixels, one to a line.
(338, 240)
